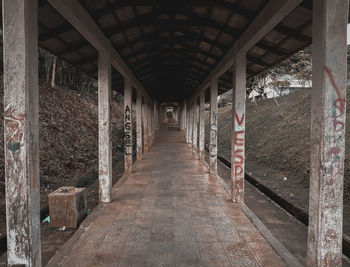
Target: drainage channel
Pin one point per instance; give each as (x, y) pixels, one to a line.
(293, 210)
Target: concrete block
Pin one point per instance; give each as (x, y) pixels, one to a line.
(68, 206)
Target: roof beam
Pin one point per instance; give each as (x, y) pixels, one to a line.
(294, 34)
(54, 32)
(155, 49)
(80, 19)
(122, 3)
(257, 60)
(150, 18)
(272, 14)
(188, 36)
(72, 47)
(185, 59)
(166, 68)
(273, 49)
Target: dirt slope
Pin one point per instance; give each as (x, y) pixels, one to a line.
(277, 146)
(68, 138)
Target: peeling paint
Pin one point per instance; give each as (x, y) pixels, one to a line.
(327, 133)
(104, 132)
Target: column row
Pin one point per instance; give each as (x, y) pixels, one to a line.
(328, 114)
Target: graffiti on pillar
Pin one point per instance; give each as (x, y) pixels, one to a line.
(338, 110)
(338, 105)
(213, 136)
(14, 139)
(238, 155)
(127, 131)
(239, 120)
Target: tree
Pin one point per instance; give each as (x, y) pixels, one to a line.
(258, 83)
(301, 66)
(277, 77)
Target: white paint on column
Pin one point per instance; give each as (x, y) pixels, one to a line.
(195, 130)
(201, 124)
(328, 112)
(21, 132)
(238, 128)
(145, 125)
(149, 123)
(190, 125)
(139, 125)
(127, 126)
(213, 126)
(104, 127)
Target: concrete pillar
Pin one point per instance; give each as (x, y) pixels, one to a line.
(195, 129)
(104, 127)
(156, 124)
(238, 127)
(127, 126)
(213, 126)
(155, 120)
(186, 123)
(160, 120)
(185, 110)
(201, 124)
(139, 124)
(149, 123)
(328, 110)
(183, 115)
(21, 132)
(145, 125)
(190, 125)
(185, 118)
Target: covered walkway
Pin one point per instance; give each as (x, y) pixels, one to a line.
(168, 212)
(172, 57)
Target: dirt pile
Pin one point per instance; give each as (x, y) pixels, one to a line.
(68, 138)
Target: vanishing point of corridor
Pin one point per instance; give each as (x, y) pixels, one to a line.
(168, 212)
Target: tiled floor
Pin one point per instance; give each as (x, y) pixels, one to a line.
(168, 212)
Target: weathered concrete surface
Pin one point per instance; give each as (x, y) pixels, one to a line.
(171, 212)
(238, 128)
(328, 109)
(139, 124)
(155, 118)
(149, 123)
(104, 127)
(213, 150)
(21, 132)
(190, 125)
(68, 206)
(195, 130)
(183, 115)
(187, 125)
(145, 126)
(127, 126)
(201, 125)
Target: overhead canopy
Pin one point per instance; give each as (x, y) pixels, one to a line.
(171, 45)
